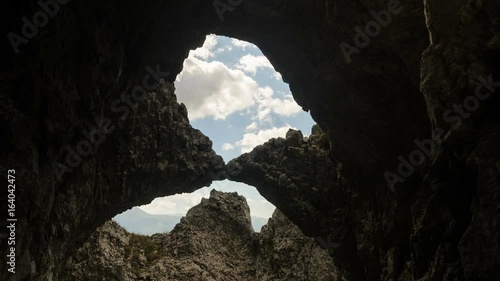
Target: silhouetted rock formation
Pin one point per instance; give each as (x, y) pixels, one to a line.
(283, 168)
(215, 241)
(431, 70)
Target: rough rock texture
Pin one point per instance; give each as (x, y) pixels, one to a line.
(465, 52)
(377, 240)
(440, 223)
(282, 169)
(154, 152)
(285, 253)
(215, 241)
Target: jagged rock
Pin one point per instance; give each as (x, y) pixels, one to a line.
(282, 174)
(215, 241)
(439, 224)
(284, 253)
(316, 130)
(153, 152)
(312, 189)
(318, 137)
(294, 138)
(107, 255)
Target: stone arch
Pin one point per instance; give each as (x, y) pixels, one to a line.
(75, 66)
(91, 53)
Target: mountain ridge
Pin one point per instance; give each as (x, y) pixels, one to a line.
(141, 222)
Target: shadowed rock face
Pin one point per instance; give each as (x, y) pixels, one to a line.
(283, 169)
(400, 87)
(387, 236)
(214, 241)
(155, 152)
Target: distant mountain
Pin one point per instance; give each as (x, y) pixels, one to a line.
(138, 221)
(258, 223)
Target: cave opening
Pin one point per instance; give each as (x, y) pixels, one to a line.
(234, 96)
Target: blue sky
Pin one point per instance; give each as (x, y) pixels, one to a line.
(236, 98)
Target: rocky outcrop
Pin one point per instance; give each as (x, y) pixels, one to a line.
(155, 152)
(460, 82)
(215, 241)
(87, 61)
(285, 253)
(367, 240)
(283, 168)
(374, 240)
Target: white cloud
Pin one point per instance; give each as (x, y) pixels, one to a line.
(251, 140)
(227, 146)
(206, 51)
(261, 209)
(213, 89)
(251, 127)
(224, 49)
(242, 44)
(172, 205)
(250, 63)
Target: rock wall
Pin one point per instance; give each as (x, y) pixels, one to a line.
(424, 233)
(155, 153)
(214, 241)
(86, 66)
(460, 73)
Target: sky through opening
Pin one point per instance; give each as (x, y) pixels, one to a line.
(236, 98)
